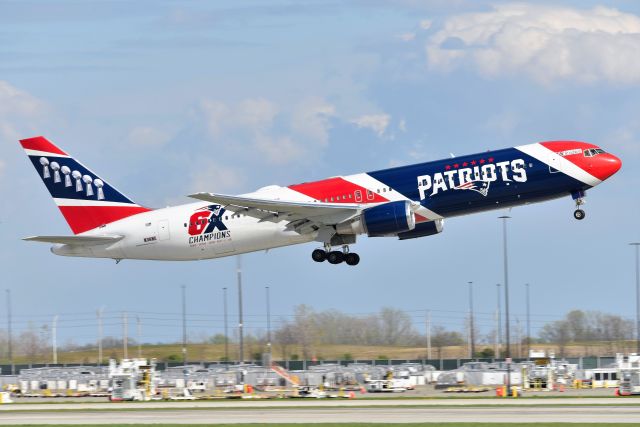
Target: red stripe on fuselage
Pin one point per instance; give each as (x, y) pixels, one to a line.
(341, 190)
(40, 143)
(85, 218)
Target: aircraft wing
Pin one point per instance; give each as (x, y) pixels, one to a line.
(303, 217)
(76, 240)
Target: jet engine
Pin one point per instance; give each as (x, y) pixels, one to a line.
(388, 219)
(423, 229)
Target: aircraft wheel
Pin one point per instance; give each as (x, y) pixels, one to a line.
(352, 258)
(335, 257)
(579, 214)
(318, 255)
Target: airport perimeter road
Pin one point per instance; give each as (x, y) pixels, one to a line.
(380, 411)
(313, 403)
(582, 415)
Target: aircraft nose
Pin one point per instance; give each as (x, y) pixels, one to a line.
(606, 165)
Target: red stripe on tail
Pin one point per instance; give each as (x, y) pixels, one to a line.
(40, 143)
(85, 218)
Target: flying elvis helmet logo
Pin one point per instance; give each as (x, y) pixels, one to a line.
(205, 221)
(474, 175)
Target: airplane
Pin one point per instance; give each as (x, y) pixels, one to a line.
(404, 202)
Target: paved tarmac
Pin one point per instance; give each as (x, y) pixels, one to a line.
(581, 415)
(623, 410)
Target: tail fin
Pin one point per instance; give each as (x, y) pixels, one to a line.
(85, 200)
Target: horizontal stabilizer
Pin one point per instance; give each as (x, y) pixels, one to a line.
(76, 240)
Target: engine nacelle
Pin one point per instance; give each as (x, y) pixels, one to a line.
(388, 219)
(423, 229)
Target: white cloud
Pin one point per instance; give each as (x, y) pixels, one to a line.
(276, 135)
(148, 136)
(20, 112)
(425, 24)
(378, 123)
(214, 177)
(312, 119)
(406, 37)
(546, 43)
(402, 126)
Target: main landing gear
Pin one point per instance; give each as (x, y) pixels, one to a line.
(336, 257)
(579, 196)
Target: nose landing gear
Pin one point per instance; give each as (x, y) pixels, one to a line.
(335, 257)
(579, 196)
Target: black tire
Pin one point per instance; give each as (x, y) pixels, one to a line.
(335, 257)
(318, 255)
(352, 258)
(579, 214)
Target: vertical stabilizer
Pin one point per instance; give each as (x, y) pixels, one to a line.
(86, 200)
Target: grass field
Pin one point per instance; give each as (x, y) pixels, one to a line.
(358, 425)
(196, 352)
(164, 352)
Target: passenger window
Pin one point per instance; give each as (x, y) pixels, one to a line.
(185, 224)
(384, 190)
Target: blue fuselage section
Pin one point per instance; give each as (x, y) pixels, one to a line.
(479, 182)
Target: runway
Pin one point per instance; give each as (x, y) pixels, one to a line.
(373, 411)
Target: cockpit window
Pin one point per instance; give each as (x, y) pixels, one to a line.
(593, 152)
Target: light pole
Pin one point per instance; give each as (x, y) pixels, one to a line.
(9, 334)
(268, 322)
(184, 328)
(499, 328)
(139, 330)
(637, 245)
(472, 337)
(528, 324)
(504, 219)
(226, 328)
(240, 325)
(125, 335)
(428, 328)
(54, 339)
(99, 314)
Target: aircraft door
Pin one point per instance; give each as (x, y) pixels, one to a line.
(163, 230)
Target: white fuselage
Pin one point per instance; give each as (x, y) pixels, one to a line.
(161, 234)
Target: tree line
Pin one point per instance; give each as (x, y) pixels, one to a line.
(307, 332)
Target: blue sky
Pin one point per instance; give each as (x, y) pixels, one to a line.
(165, 98)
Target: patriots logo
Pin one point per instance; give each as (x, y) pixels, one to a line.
(481, 187)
